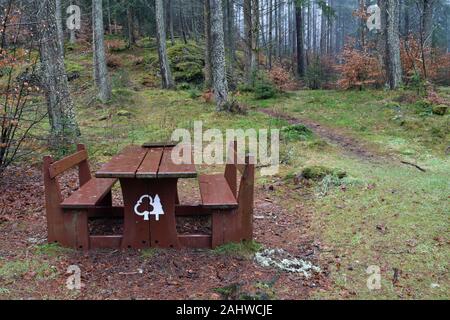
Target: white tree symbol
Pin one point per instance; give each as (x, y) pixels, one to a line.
(156, 204)
(157, 208)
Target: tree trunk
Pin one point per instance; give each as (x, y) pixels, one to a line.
(170, 18)
(61, 109)
(100, 68)
(130, 27)
(72, 33)
(248, 52)
(393, 44)
(166, 75)
(270, 33)
(59, 25)
(208, 68)
(427, 22)
(300, 47)
(255, 36)
(218, 56)
(229, 5)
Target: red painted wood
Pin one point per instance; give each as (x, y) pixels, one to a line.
(150, 165)
(246, 202)
(195, 241)
(164, 232)
(168, 169)
(90, 194)
(84, 171)
(136, 233)
(216, 193)
(62, 165)
(53, 198)
(186, 211)
(217, 226)
(105, 242)
(231, 169)
(124, 165)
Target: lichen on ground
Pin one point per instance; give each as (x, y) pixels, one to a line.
(284, 261)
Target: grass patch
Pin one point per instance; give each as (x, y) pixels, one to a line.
(11, 270)
(149, 253)
(245, 249)
(51, 250)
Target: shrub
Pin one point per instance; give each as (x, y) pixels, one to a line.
(116, 45)
(319, 72)
(296, 132)
(282, 78)
(359, 69)
(113, 61)
(263, 87)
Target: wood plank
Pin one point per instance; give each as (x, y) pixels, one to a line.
(217, 228)
(106, 212)
(123, 165)
(191, 211)
(159, 144)
(216, 193)
(71, 161)
(136, 231)
(89, 194)
(150, 164)
(105, 242)
(195, 241)
(168, 169)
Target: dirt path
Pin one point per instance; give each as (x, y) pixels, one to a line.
(335, 136)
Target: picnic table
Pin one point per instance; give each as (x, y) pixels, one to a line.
(149, 180)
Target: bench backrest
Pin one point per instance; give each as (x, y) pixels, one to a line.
(245, 193)
(53, 197)
(80, 159)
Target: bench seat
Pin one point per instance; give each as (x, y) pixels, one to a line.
(89, 195)
(216, 193)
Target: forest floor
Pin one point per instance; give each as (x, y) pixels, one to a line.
(385, 212)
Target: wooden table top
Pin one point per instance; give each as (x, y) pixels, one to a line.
(145, 163)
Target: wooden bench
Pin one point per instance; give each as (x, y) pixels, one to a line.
(232, 209)
(67, 220)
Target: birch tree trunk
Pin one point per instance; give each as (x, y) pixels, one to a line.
(166, 75)
(61, 109)
(218, 56)
(100, 68)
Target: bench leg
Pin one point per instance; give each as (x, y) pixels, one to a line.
(76, 229)
(225, 227)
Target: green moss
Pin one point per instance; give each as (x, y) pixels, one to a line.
(245, 248)
(11, 270)
(73, 67)
(319, 172)
(51, 250)
(296, 132)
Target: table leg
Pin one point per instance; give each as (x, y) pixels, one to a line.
(163, 232)
(136, 231)
(140, 233)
